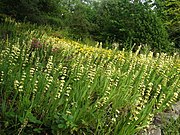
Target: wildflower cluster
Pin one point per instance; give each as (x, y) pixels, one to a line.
(136, 109)
(111, 91)
(91, 74)
(32, 71)
(62, 82)
(160, 102)
(67, 93)
(1, 77)
(35, 87)
(148, 92)
(80, 73)
(49, 82)
(19, 85)
(16, 84)
(14, 55)
(49, 65)
(158, 90)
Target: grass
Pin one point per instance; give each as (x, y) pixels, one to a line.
(56, 86)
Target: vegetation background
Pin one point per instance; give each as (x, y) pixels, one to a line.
(123, 71)
(129, 23)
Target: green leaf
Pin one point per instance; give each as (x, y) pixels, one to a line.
(33, 119)
(61, 126)
(38, 130)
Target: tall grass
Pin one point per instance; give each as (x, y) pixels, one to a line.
(50, 85)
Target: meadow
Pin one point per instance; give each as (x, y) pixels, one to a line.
(57, 86)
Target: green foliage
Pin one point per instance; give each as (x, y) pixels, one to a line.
(51, 85)
(129, 23)
(171, 127)
(34, 10)
(126, 22)
(169, 11)
(79, 24)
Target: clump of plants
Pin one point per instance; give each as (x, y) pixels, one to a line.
(53, 86)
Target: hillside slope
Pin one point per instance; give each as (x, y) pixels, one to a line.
(57, 86)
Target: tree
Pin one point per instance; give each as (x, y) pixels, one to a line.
(127, 22)
(31, 10)
(131, 22)
(169, 11)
